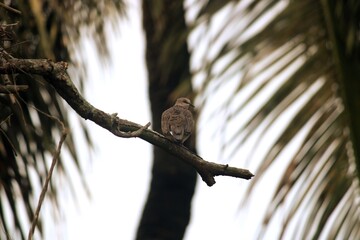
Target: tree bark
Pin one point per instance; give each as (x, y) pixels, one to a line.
(167, 210)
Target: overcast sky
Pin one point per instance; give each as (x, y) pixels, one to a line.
(118, 191)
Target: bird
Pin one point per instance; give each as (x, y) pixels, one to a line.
(177, 122)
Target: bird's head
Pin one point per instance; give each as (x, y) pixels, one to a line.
(184, 102)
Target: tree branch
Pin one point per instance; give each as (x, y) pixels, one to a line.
(55, 74)
(13, 88)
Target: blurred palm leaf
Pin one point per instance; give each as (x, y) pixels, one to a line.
(297, 63)
(45, 29)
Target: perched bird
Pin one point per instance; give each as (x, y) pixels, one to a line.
(177, 122)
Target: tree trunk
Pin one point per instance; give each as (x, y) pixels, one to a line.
(167, 211)
(348, 72)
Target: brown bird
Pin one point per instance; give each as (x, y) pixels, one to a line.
(177, 122)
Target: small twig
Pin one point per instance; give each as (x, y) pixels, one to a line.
(47, 181)
(55, 159)
(5, 135)
(10, 8)
(5, 54)
(132, 134)
(13, 88)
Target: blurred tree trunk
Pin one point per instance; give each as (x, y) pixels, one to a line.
(167, 211)
(347, 60)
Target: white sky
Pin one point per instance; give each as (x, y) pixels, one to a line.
(118, 193)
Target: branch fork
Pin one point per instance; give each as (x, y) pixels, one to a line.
(56, 75)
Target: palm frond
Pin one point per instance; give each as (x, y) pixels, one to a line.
(283, 57)
(45, 29)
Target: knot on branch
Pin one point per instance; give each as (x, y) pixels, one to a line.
(55, 74)
(116, 124)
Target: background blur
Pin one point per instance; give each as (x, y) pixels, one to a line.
(276, 88)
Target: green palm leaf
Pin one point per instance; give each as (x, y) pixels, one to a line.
(287, 59)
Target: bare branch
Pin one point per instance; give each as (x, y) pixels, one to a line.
(122, 134)
(56, 157)
(55, 74)
(13, 88)
(132, 134)
(3, 5)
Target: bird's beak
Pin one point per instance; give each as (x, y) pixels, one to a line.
(191, 105)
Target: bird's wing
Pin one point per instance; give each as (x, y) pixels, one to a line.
(165, 118)
(189, 126)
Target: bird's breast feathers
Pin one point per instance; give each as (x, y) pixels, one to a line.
(177, 122)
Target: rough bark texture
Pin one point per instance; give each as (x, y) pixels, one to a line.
(167, 210)
(55, 74)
